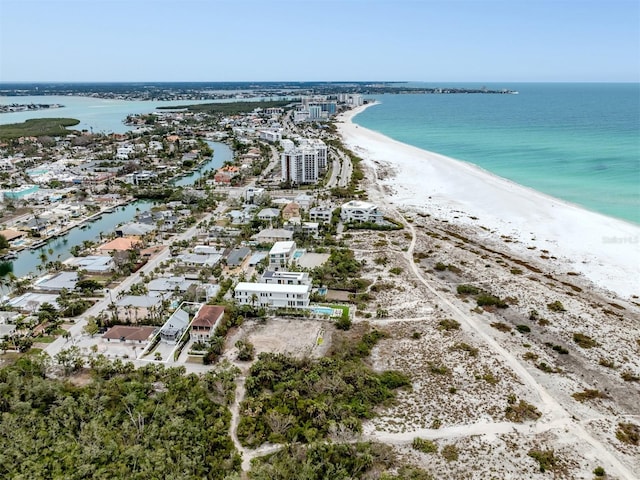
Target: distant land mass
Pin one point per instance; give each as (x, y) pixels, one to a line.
(218, 90)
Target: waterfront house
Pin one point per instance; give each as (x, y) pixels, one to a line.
(357, 211)
(285, 278)
(272, 295)
(58, 282)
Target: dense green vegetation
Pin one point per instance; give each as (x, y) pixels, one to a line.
(229, 108)
(124, 423)
(334, 461)
(340, 271)
(304, 400)
(37, 127)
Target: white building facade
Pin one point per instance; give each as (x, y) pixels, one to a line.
(270, 295)
(357, 211)
(281, 254)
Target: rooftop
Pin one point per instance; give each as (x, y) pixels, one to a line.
(271, 288)
(123, 332)
(208, 316)
(282, 247)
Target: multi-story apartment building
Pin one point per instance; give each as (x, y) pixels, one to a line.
(272, 295)
(304, 163)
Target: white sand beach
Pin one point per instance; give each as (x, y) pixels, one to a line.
(604, 250)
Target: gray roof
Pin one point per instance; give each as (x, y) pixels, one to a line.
(93, 263)
(168, 284)
(176, 323)
(236, 256)
(140, 301)
(135, 228)
(59, 281)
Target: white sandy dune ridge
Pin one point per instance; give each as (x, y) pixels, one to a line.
(604, 249)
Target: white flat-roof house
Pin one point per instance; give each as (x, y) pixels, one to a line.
(358, 211)
(272, 295)
(285, 278)
(281, 254)
(321, 214)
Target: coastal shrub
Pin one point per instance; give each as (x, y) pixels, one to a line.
(448, 324)
(489, 377)
(393, 379)
(530, 356)
(464, 289)
(545, 458)
(395, 270)
(523, 328)
(606, 363)
(416, 335)
(629, 376)
(628, 433)
(588, 394)
(556, 306)
(450, 453)
(423, 445)
(304, 400)
(464, 347)
(438, 369)
(246, 350)
(546, 368)
(343, 323)
(599, 472)
(560, 349)
(503, 327)
(516, 271)
(440, 267)
(584, 341)
(487, 300)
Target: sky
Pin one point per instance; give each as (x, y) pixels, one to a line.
(320, 40)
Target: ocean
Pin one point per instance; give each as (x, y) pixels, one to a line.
(576, 142)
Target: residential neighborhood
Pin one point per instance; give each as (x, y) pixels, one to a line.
(248, 234)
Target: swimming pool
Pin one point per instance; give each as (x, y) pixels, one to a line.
(297, 254)
(322, 310)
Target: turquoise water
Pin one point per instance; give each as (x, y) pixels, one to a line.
(576, 142)
(322, 310)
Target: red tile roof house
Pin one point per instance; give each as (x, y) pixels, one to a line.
(206, 321)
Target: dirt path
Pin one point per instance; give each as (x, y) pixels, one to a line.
(554, 413)
(247, 454)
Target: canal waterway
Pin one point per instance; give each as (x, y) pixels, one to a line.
(58, 248)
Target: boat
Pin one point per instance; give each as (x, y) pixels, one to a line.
(10, 256)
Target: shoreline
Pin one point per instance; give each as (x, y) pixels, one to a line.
(604, 249)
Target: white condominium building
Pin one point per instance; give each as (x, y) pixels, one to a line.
(272, 295)
(304, 163)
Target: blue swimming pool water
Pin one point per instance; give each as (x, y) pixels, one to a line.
(323, 310)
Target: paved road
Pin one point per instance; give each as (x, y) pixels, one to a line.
(76, 329)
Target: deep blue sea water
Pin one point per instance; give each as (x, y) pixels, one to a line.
(576, 142)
